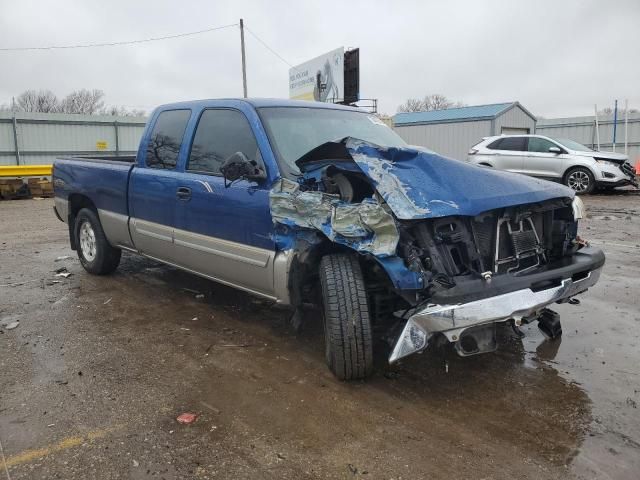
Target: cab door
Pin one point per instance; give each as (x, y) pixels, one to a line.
(153, 187)
(224, 231)
(540, 162)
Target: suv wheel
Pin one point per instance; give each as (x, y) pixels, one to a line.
(347, 324)
(580, 179)
(96, 255)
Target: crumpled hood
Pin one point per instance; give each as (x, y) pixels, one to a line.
(418, 184)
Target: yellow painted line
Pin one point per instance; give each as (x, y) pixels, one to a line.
(65, 444)
(25, 170)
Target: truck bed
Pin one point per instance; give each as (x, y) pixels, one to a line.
(102, 179)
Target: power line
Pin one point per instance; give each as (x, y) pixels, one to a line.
(268, 47)
(114, 44)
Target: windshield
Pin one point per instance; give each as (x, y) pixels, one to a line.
(294, 131)
(571, 145)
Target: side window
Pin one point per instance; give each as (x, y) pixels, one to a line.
(541, 145)
(220, 134)
(513, 143)
(166, 138)
(495, 145)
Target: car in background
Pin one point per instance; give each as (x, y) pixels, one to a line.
(561, 160)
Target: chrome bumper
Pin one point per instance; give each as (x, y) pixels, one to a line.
(452, 320)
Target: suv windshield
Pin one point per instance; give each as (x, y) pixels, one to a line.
(571, 145)
(294, 131)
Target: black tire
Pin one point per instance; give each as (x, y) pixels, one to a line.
(102, 259)
(347, 324)
(580, 180)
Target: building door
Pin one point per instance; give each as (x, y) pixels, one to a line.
(514, 131)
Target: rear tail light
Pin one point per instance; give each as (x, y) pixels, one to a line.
(473, 151)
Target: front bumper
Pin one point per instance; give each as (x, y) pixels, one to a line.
(616, 183)
(616, 175)
(522, 303)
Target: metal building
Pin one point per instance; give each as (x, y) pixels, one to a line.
(453, 131)
(38, 138)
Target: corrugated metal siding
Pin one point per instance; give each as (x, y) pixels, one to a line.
(582, 130)
(448, 139)
(514, 118)
(42, 137)
(6, 136)
(59, 137)
(129, 137)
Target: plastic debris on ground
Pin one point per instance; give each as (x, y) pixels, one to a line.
(187, 418)
(62, 272)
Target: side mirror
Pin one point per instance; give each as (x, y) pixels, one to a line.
(555, 150)
(238, 166)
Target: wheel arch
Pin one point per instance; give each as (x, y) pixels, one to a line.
(77, 201)
(579, 165)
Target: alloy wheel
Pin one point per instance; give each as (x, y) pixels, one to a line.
(579, 181)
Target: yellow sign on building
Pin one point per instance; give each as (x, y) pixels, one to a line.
(101, 145)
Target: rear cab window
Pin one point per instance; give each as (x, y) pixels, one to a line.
(166, 138)
(517, 144)
(220, 133)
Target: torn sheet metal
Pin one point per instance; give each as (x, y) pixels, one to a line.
(365, 226)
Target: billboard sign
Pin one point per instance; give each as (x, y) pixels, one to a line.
(320, 79)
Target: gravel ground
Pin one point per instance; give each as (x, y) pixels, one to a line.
(97, 370)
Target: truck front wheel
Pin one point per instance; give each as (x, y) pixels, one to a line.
(347, 324)
(96, 255)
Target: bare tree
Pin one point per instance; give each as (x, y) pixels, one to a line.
(117, 111)
(434, 101)
(609, 111)
(44, 101)
(87, 102)
(412, 105)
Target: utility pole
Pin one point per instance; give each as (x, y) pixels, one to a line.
(595, 109)
(626, 126)
(244, 60)
(615, 123)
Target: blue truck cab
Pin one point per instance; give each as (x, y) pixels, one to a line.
(299, 201)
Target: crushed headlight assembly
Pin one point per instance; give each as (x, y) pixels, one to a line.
(579, 210)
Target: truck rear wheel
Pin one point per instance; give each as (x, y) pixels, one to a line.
(96, 255)
(347, 324)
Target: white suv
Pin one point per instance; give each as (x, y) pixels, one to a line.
(560, 160)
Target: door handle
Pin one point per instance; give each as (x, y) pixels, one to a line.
(183, 193)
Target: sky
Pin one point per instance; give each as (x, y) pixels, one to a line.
(558, 58)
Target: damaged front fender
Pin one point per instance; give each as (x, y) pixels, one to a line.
(364, 227)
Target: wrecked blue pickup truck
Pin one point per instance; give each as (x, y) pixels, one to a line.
(305, 203)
